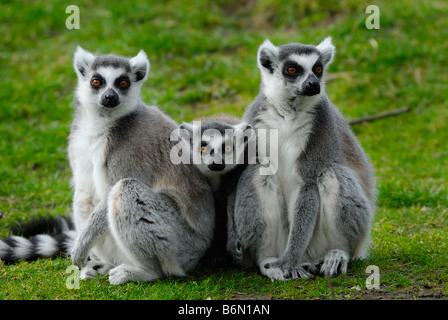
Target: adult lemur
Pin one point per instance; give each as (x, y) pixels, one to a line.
(137, 216)
(318, 206)
(141, 215)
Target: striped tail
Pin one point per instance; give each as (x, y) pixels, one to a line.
(41, 238)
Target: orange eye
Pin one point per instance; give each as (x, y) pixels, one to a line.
(292, 70)
(318, 69)
(123, 84)
(203, 149)
(96, 83)
(228, 148)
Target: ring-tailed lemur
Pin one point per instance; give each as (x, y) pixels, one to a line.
(138, 216)
(318, 206)
(139, 213)
(217, 150)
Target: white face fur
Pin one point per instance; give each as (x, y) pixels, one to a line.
(109, 85)
(219, 147)
(294, 72)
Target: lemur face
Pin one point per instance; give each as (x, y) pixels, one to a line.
(294, 69)
(219, 147)
(110, 81)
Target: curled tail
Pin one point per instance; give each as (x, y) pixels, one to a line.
(41, 238)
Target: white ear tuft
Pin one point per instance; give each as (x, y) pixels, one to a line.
(267, 56)
(267, 44)
(327, 50)
(140, 66)
(186, 126)
(82, 61)
(246, 129)
(243, 126)
(186, 131)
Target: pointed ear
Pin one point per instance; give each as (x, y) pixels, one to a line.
(140, 66)
(243, 126)
(327, 50)
(82, 61)
(267, 56)
(246, 129)
(186, 131)
(186, 126)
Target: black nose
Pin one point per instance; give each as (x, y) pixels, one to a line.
(311, 86)
(110, 99)
(216, 166)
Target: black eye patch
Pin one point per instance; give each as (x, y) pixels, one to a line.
(97, 81)
(318, 69)
(123, 82)
(292, 70)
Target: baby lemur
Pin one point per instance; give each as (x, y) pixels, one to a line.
(222, 156)
(318, 205)
(138, 216)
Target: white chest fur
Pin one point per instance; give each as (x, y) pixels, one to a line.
(293, 134)
(278, 193)
(88, 156)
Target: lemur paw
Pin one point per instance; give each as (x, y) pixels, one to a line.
(335, 263)
(120, 275)
(79, 256)
(278, 270)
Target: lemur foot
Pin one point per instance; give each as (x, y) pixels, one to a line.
(126, 273)
(278, 270)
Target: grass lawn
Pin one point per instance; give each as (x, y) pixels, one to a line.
(203, 61)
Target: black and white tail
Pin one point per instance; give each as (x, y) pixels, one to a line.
(41, 238)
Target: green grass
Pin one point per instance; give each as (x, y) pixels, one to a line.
(203, 61)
